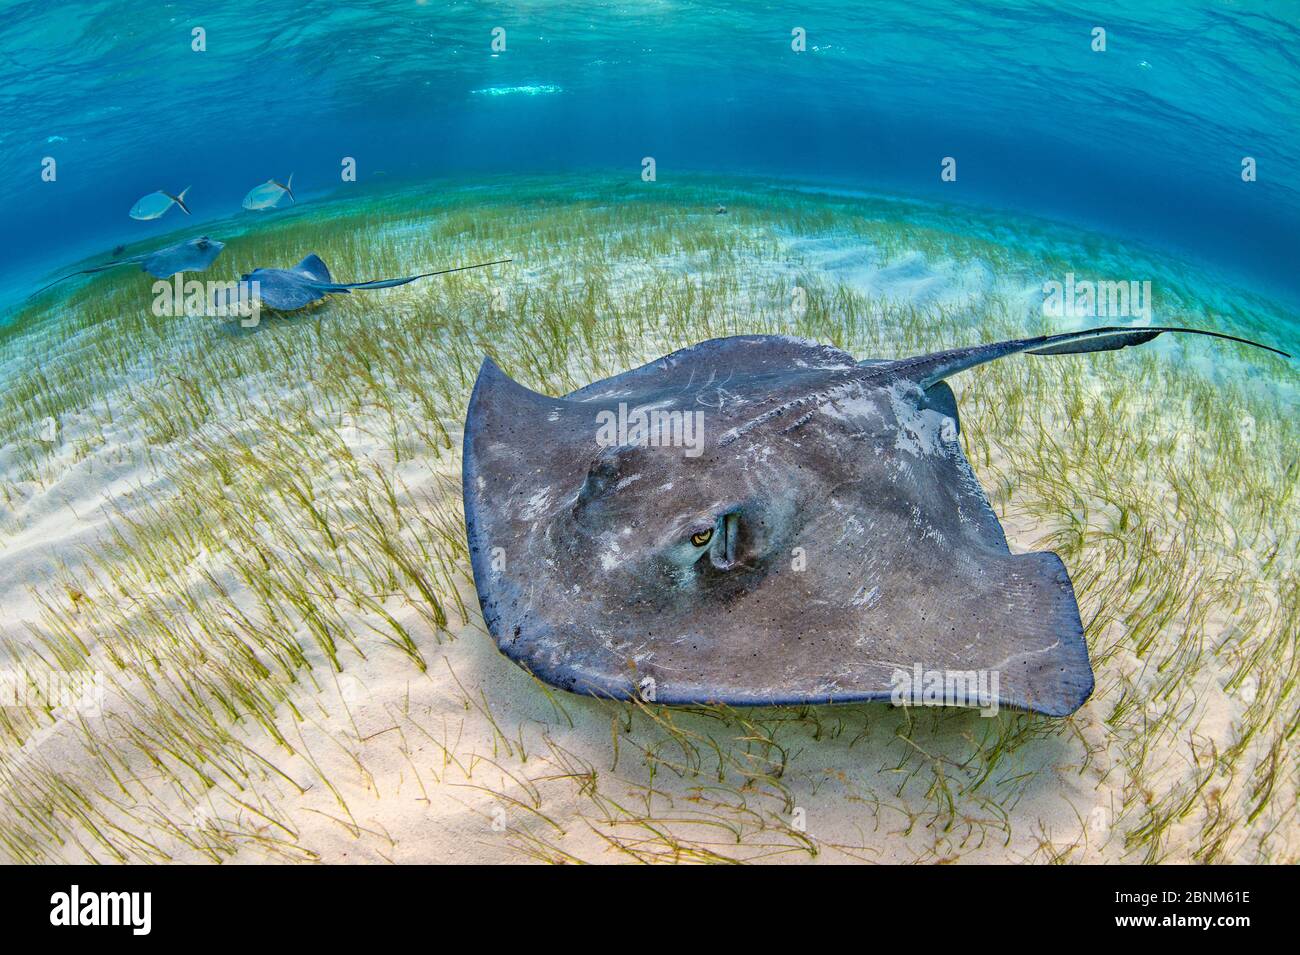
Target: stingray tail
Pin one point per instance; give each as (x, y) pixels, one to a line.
(392, 283)
(180, 200)
(70, 275)
(929, 369)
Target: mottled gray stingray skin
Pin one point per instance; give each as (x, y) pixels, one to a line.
(192, 255)
(850, 538)
(286, 290)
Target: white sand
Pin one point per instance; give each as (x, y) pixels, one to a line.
(472, 761)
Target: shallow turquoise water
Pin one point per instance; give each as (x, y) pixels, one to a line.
(1144, 140)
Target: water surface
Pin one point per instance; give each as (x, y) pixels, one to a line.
(1143, 140)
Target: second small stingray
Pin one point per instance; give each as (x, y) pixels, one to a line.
(192, 255)
(286, 290)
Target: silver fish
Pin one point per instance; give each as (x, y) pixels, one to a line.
(269, 194)
(156, 204)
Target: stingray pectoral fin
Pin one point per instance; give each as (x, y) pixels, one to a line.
(524, 454)
(939, 397)
(721, 363)
(194, 255)
(1010, 621)
(282, 290)
(929, 369)
(314, 265)
(509, 428)
(1042, 660)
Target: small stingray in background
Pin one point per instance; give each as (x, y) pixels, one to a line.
(154, 205)
(192, 255)
(269, 194)
(798, 527)
(286, 290)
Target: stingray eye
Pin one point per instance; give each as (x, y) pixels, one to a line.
(702, 538)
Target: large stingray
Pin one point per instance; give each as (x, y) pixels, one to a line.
(192, 255)
(820, 533)
(286, 290)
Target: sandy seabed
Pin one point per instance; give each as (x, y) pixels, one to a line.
(250, 539)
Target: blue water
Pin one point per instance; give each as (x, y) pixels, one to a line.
(1143, 140)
